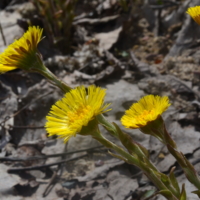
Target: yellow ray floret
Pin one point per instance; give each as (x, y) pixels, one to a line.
(194, 12)
(22, 52)
(75, 110)
(147, 109)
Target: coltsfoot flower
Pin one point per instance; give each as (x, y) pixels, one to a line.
(147, 109)
(194, 12)
(22, 52)
(75, 110)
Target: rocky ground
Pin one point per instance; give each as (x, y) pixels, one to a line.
(142, 47)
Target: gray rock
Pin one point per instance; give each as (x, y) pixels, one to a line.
(10, 28)
(38, 101)
(186, 37)
(176, 16)
(8, 106)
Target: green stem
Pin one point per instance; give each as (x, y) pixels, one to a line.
(154, 177)
(40, 68)
(107, 125)
(187, 167)
(52, 78)
(118, 149)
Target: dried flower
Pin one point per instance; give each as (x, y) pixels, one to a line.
(147, 109)
(22, 52)
(75, 110)
(194, 12)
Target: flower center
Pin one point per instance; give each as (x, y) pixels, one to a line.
(145, 115)
(78, 114)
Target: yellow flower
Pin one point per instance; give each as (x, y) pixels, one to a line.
(75, 110)
(194, 12)
(147, 109)
(22, 52)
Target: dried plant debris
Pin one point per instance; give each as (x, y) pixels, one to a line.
(151, 49)
(7, 182)
(103, 183)
(183, 67)
(8, 106)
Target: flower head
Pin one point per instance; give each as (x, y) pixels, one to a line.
(194, 12)
(75, 110)
(22, 52)
(147, 109)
